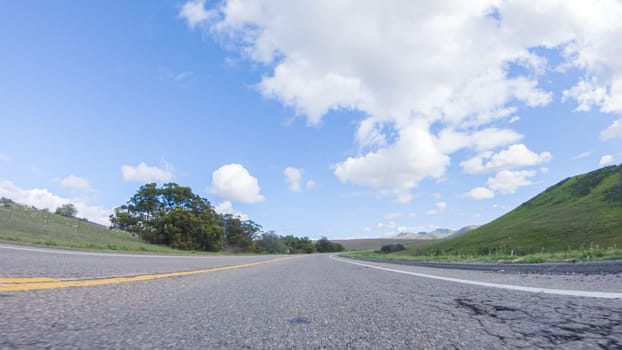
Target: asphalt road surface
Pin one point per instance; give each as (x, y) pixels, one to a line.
(59, 299)
(563, 268)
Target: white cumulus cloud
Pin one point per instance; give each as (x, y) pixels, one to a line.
(587, 94)
(482, 140)
(232, 182)
(44, 199)
(443, 58)
(145, 173)
(515, 156)
(397, 169)
(409, 65)
(480, 193)
(507, 181)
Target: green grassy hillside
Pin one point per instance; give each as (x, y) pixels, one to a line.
(20, 223)
(578, 213)
(372, 243)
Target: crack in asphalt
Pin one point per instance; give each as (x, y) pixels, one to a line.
(542, 326)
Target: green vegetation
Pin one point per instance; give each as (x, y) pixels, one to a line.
(167, 219)
(173, 216)
(374, 243)
(392, 248)
(24, 224)
(578, 213)
(240, 235)
(579, 218)
(299, 245)
(323, 245)
(69, 210)
(270, 242)
(590, 254)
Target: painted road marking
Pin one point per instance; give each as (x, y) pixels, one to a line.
(56, 284)
(15, 280)
(574, 293)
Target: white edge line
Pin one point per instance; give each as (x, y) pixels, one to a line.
(111, 254)
(574, 293)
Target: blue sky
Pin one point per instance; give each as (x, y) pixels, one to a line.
(336, 118)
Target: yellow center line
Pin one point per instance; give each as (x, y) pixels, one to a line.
(7, 286)
(27, 280)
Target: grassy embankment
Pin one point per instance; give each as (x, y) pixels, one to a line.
(579, 218)
(23, 224)
(590, 254)
(372, 243)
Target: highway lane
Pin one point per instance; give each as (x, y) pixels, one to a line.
(21, 261)
(308, 302)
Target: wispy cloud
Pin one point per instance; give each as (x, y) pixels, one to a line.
(179, 77)
(294, 177)
(438, 208)
(76, 183)
(606, 160)
(582, 155)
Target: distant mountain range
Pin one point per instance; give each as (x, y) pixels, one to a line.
(436, 234)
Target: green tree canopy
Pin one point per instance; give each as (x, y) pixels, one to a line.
(272, 243)
(171, 215)
(299, 245)
(323, 245)
(69, 210)
(239, 235)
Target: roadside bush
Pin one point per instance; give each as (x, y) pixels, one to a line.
(6, 202)
(323, 245)
(392, 248)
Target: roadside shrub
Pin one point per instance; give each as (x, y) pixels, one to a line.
(392, 248)
(6, 202)
(323, 245)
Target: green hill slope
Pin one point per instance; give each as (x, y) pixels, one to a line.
(372, 243)
(578, 213)
(28, 225)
